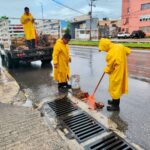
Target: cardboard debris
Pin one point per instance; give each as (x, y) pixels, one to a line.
(42, 42)
(80, 94)
(46, 40)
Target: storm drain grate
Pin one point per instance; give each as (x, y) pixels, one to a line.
(83, 127)
(110, 142)
(62, 106)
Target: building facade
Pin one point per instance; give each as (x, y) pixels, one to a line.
(136, 16)
(80, 28)
(48, 27)
(109, 27)
(51, 27)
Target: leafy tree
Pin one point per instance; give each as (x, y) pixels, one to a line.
(3, 17)
(68, 27)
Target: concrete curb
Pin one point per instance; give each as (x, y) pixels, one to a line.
(103, 120)
(52, 121)
(9, 88)
(145, 79)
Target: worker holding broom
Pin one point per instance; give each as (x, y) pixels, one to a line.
(117, 70)
(27, 21)
(61, 60)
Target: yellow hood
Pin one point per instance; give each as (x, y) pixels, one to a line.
(105, 44)
(59, 41)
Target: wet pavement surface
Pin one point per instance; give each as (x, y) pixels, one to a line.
(139, 64)
(35, 80)
(133, 119)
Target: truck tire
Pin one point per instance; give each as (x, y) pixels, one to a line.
(9, 61)
(47, 61)
(15, 63)
(3, 57)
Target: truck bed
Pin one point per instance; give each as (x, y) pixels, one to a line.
(13, 57)
(33, 54)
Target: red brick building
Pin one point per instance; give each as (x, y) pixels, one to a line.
(136, 15)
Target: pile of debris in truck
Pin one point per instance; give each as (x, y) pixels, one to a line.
(42, 41)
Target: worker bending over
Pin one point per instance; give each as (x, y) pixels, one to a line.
(116, 69)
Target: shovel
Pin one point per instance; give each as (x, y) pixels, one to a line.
(91, 100)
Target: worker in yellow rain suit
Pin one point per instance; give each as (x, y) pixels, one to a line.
(61, 60)
(27, 21)
(117, 70)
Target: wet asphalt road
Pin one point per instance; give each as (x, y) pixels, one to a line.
(133, 119)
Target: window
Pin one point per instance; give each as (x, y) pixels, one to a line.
(81, 32)
(87, 32)
(128, 10)
(145, 6)
(127, 20)
(145, 18)
(127, 30)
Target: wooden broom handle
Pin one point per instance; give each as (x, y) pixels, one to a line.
(98, 84)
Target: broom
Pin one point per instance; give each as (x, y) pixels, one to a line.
(91, 100)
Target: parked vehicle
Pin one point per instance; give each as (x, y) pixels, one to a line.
(123, 35)
(138, 34)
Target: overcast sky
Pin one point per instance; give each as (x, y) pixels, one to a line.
(104, 8)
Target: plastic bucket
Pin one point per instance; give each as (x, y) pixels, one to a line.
(75, 81)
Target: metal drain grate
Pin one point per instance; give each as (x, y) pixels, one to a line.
(83, 126)
(110, 142)
(62, 106)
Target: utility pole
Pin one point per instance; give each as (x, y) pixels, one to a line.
(59, 28)
(42, 10)
(42, 15)
(90, 13)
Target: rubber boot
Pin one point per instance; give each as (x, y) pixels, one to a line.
(60, 85)
(62, 88)
(67, 85)
(110, 102)
(114, 106)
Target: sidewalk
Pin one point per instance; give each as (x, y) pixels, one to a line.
(23, 128)
(8, 87)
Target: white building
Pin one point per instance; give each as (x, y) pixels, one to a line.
(9, 31)
(48, 27)
(81, 26)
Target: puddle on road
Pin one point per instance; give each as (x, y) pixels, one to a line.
(121, 124)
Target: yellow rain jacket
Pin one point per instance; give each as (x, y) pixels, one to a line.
(116, 67)
(61, 57)
(28, 26)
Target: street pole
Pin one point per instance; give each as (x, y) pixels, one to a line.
(91, 19)
(42, 10)
(91, 5)
(42, 16)
(60, 28)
